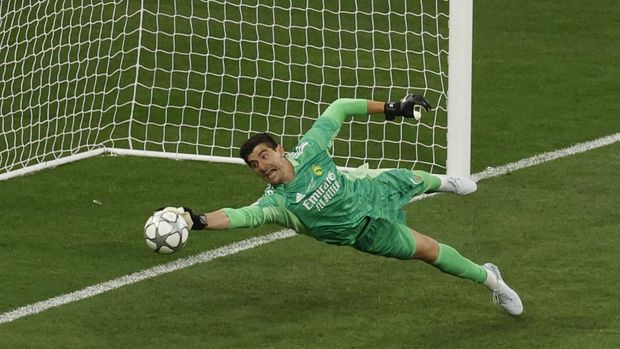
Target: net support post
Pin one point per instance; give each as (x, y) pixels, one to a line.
(459, 87)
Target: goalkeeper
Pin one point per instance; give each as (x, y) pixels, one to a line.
(362, 209)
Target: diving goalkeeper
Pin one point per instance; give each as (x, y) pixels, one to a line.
(362, 209)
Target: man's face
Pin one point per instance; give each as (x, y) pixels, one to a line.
(270, 164)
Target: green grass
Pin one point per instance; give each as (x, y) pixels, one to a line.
(543, 79)
(551, 233)
(544, 76)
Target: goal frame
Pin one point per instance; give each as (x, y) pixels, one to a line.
(459, 97)
(460, 45)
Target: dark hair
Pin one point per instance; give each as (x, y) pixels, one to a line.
(248, 147)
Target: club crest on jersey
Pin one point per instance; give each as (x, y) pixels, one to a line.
(317, 170)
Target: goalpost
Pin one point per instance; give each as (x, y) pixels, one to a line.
(193, 79)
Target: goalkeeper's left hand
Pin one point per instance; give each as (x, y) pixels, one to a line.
(193, 221)
(406, 107)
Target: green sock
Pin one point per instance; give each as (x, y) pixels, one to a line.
(431, 182)
(451, 262)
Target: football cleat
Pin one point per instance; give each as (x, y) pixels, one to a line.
(458, 185)
(504, 295)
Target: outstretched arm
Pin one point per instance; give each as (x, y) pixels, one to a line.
(406, 107)
(327, 126)
(244, 217)
(342, 108)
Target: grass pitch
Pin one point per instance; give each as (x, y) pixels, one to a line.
(544, 78)
(549, 232)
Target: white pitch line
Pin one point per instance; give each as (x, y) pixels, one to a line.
(125, 280)
(491, 172)
(545, 157)
(239, 246)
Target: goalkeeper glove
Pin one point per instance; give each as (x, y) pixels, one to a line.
(193, 221)
(405, 107)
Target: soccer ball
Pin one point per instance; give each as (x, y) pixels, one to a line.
(165, 232)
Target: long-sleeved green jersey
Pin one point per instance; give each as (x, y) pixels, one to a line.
(321, 201)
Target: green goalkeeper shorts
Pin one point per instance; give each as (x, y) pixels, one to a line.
(387, 234)
(388, 238)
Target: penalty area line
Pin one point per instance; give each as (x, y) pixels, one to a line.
(158, 270)
(247, 244)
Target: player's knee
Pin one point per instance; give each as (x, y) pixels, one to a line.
(426, 248)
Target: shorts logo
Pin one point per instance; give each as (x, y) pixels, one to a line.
(317, 170)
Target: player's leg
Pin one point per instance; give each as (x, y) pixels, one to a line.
(392, 238)
(450, 261)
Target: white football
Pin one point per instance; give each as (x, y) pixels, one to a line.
(165, 232)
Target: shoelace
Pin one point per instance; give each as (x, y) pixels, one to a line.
(496, 296)
(500, 298)
(453, 183)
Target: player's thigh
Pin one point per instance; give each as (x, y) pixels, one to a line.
(388, 238)
(399, 186)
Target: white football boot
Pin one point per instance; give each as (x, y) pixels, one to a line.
(458, 185)
(504, 295)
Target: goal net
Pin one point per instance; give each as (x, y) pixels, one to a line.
(194, 79)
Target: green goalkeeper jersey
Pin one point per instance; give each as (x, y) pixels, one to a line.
(321, 201)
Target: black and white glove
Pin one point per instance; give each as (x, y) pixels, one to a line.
(409, 107)
(193, 221)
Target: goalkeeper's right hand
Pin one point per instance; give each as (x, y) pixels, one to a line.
(405, 107)
(193, 221)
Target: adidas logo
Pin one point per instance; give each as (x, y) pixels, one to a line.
(299, 197)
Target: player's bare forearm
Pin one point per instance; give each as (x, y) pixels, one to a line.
(217, 220)
(375, 107)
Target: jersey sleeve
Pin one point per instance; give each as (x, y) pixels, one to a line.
(328, 124)
(267, 210)
(255, 216)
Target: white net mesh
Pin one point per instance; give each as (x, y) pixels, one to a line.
(63, 69)
(199, 77)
